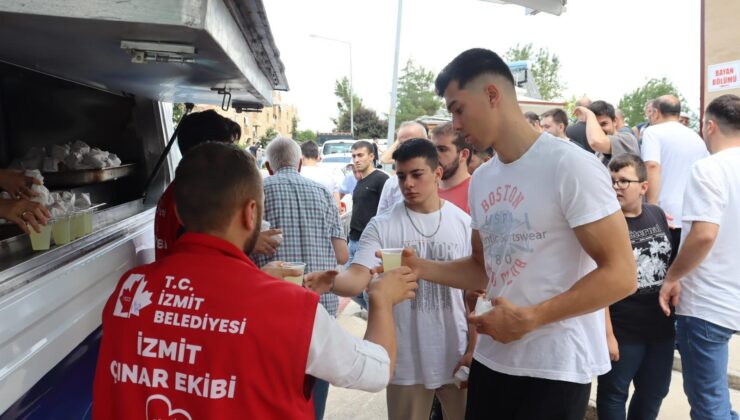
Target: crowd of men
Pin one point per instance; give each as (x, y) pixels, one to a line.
(573, 252)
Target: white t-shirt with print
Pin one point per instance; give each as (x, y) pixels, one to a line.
(432, 328)
(525, 212)
(675, 147)
(712, 290)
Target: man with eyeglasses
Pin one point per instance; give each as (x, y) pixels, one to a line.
(639, 336)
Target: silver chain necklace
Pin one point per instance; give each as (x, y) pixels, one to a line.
(439, 224)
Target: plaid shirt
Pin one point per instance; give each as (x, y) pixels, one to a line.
(308, 216)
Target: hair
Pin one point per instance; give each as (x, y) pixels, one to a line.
(364, 144)
(482, 154)
(200, 127)
(236, 130)
(601, 108)
(447, 129)
(310, 150)
(629, 160)
(725, 112)
(583, 101)
(619, 113)
(283, 152)
(415, 148)
(469, 65)
(419, 123)
(214, 180)
(557, 115)
(532, 117)
(668, 105)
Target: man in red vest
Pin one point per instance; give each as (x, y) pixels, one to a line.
(204, 334)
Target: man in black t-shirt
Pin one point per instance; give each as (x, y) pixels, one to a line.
(640, 337)
(365, 197)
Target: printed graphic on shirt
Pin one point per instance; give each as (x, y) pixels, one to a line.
(651, 249)
(508, 236)
(432, 297)
(133, 297)
(158, 407)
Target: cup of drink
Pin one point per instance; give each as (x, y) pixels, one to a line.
(295, 266)
(391, 258)
(87, 221)
(77, 224)
(61, 230)
(40, 241)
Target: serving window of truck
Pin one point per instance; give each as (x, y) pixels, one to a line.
(85, 100)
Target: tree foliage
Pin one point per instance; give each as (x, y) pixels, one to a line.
(633, 103)
(367, 124)
(304, 136)
(416, 96)
(545, 69)
(341, 91)
(269, 135)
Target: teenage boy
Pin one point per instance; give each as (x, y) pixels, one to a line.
(639, 336)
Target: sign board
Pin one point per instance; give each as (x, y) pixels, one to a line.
(723, 76)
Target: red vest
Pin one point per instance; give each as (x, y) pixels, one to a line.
(204, 334)
(166, 226)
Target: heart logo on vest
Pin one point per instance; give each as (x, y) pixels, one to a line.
(158, 407)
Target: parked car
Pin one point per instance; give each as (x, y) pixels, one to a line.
(331, 147)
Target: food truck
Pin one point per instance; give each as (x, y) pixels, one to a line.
(104, 74)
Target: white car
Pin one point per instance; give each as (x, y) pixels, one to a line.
(331, 147)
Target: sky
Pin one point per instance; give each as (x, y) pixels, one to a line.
(606, 47)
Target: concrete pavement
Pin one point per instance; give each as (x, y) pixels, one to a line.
(346, 404)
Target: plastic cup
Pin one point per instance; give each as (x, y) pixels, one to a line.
(40, 241)
(87, 221)
(77, 224)
(60, 230)
(391, 258)
(295, 266)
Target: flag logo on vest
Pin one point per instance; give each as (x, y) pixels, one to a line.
(158, 407)
(133, 297)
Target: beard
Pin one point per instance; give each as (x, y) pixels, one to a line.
(252, 241)
(450, 170)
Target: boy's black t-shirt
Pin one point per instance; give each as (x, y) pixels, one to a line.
(365, 200)
(638, 318)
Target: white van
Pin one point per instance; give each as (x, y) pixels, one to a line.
(104, 72)
(337, 146)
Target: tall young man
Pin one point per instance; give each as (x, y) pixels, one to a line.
(640, 337)
(703, 281)
(432, 329)
(540, 212)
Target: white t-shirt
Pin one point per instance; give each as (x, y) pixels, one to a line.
(390, 196)
(525, 212)
(712, 291)
(675, 147)
(431, 329)
(344, 360)
(321, 175)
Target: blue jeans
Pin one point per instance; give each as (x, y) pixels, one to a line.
(703, 348)
(320, 393)
(360, 299)
(649, 366)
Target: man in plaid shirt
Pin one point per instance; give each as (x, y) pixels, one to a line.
(306, 213)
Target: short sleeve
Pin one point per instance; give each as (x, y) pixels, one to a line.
(650, 146)
(369, 243)
(474, 210)
(346, 187)
(386, 197)
(335, 226)
(705, 197)
(585, 191)
(622, 143)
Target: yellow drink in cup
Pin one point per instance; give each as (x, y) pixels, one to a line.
(77, 224)
(295, 266)
(61, 231)
(391, 258)
(87, 221)
(40, 241)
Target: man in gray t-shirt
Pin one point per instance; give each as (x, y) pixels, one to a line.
(602, 133)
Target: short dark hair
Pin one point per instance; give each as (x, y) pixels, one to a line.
(629, 160)
(364, 144)
(602, 108)
(532, 117)
(236, 130)
(310, 150)
(469, 65)
(668, 105)
(482, 154)
(557, 115)
(213, 180)
(725, 112)
(415, 148)
(200, 127)
(447, 129)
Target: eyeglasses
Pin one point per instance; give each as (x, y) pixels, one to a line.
(624, 183)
